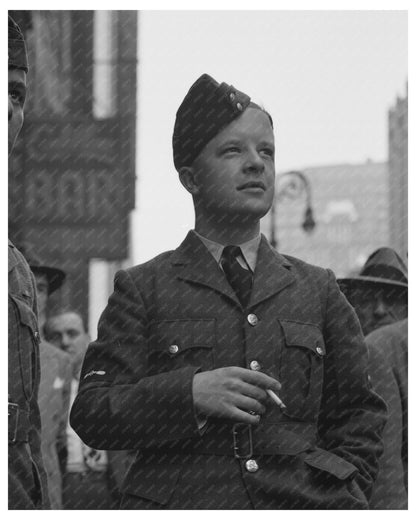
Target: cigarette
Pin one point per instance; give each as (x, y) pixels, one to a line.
(276, 399)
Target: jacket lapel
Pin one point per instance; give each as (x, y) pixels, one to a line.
(272, 273)
(195, 264)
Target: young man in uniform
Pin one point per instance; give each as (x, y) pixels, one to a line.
(27, 477)
(239, 374)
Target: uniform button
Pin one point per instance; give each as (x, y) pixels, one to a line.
(252, 466)
(232, 96)
(255, 365)
(320, 351)
(173, 349)
(239, 106)
(37, 336)
(252, 319)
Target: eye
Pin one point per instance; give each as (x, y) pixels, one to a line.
(232, 149)
(267, 151)
(17, 97)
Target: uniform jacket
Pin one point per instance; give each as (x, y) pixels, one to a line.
(27, 478)
(176, 315)
(54, 396)
(388, 370)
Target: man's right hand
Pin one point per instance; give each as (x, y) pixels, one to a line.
(231, 393)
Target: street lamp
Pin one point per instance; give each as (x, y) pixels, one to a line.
(291, 185)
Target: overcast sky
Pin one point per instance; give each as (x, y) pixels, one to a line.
(327, 77)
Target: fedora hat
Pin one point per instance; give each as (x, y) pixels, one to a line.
(384, 266)
(54, 275)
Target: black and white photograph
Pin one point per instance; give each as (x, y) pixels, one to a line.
(208, 258)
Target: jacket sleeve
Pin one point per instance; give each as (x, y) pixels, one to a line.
(352, 415)
(118, 406)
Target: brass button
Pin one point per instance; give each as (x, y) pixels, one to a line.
(37, 336)
(173, 349)
(320, 351)
(239, 106)
(255, 365)
(232, 96)
(251, 466)
(252, 319)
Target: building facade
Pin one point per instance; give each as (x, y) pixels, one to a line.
(398, 173)
(72, 175)
(350, 206)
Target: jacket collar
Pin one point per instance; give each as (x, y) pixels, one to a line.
(197, 265)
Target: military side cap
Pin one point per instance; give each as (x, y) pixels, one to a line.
(384, 266)
(207, 108)
(54, 275)
(16, 47)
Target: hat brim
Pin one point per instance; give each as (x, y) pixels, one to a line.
(55, 276)
(371, 280)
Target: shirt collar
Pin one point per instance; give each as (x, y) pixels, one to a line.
(249, 249)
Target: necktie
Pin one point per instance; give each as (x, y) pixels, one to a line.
(239, 278)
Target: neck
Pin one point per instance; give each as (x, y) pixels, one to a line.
(226, 235)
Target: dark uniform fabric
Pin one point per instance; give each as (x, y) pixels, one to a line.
(27, 478)
(388, 370)
(176, 315)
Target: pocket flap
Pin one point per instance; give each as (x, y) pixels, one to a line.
(26, 315)
(303, 335)
(174, 336)
(331, 463)
(150, 478)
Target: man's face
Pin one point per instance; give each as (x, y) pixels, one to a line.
(235, 171)
(17, 95)
(42, 287)
(66, 331)
(378, 306)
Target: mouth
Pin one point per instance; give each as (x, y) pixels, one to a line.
(252, 185)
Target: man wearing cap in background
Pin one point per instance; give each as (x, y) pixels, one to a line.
(27, 477)
(55, 380)
(239, 374)
(379, 296)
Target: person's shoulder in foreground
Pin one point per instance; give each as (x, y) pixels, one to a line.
(239, 374)
(388, 348)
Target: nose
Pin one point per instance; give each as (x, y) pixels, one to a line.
(380, 307)
(65, 341)
(254, 163)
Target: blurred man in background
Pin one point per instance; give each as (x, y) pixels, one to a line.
(27, 477)
(379, 296)
(85, 482)
(379, 292)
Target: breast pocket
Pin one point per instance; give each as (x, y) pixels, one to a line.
(177, 344)
(301, 369)
(24, 336)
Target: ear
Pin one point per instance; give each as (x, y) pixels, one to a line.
(188, 179)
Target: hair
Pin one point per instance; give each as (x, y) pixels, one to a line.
(60, 312)
(259, 107)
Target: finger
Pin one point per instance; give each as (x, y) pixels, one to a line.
(260, 379)
(253, 391)
(239, 416)
(248, 404)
